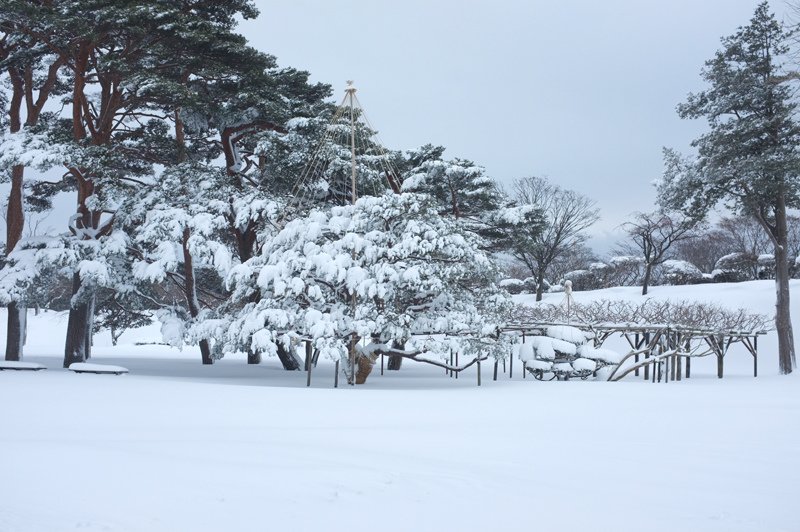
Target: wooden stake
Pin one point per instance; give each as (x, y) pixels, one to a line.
(496, 363)
(755, 356)
(309, 362)
(336, 376)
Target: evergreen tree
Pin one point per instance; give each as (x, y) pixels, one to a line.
(748, 159)
(33, 73)
(385, 269)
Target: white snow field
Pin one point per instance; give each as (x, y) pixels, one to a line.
(174, 446)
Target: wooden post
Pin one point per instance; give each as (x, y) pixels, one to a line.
(524, 369)
(636, 357)
(457, 372)
(667, 368)
(479, 370)
(646, 356)
(496, 363)
(450, 371)
(679, 371)
(511, 360)
(673, 367)
(755, 356)
(381, 363)
(309, 362)
(688, 367)
(336, 376)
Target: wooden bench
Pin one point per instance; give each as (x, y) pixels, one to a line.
(20, 366)
(98, 369)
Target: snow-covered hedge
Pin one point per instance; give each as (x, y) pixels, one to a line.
(680, 272)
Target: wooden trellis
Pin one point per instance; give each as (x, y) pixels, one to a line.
(660, 352)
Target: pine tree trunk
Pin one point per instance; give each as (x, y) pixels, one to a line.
(89, 335)
(15, 221)
(205, 353)
(190, 292)
(14, 338)
(253, 357)
(75, 347)
(539, 285)
(648, 272)
(288, 358)
(783, 320)
(396, 361)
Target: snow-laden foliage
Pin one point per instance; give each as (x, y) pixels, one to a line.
(386, 270)
(563, 352)
(100, 263)
(180, 228)
(681, 272)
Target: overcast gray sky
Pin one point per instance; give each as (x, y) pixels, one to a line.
(582, 91)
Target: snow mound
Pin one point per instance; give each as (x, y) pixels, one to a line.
(544, 348)
(566, 333)
(584, 364)
(605, 355)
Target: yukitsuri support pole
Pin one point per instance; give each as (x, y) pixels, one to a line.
(524, 369)
(457, 372)
(496, 363)
(479, 370)
(336, 375)
(309, 362)
(381, 363)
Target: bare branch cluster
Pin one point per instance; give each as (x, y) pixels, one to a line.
(683, 314)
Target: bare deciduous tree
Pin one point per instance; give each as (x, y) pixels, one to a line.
(653, 236)
(567, 215)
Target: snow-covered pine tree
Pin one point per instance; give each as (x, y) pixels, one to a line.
(464, 191)
(33, 74)
(178, 226)
(748, 158)
(387, 269)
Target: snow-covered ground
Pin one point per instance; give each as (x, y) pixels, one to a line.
(177, 446)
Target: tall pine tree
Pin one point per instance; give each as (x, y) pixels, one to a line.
(749, 158)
